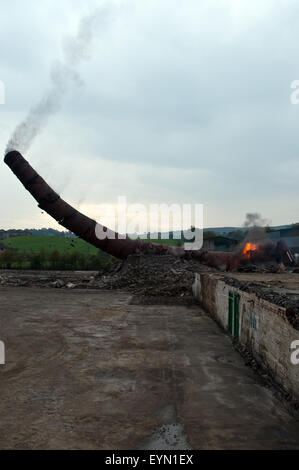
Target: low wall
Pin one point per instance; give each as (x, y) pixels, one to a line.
(263, 327)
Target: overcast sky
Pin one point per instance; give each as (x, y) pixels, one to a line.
(183, 101)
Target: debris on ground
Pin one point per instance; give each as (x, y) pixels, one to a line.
(166, 276)
(151, 276)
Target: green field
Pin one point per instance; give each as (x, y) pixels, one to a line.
(51, 253)
(30, 244)
(33, 244)
(54, 253)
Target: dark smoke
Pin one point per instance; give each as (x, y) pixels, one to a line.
(255, 220)
(62, 74)
(256, 228)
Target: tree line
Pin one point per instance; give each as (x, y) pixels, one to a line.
(53, 260)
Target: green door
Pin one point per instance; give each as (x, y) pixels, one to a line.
(230, 312)
(236, 314)
(233, 313)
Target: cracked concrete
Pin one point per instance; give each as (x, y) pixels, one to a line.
(88, 370)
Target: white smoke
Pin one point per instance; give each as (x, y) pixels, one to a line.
(62, 75)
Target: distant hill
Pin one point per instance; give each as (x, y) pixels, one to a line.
(225, 230)
(237, 233)
(43, 232)
(50, 232)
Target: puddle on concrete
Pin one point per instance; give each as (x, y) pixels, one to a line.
(170, 436)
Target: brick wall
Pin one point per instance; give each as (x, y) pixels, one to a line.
(263, 327)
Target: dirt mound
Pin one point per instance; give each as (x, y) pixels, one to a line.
(162, 276)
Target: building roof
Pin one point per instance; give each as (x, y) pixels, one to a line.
(220, 238)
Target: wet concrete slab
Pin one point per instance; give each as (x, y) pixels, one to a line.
(89, 370)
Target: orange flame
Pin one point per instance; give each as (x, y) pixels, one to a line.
(249, 249)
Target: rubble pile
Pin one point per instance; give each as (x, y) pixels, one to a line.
(54, 279)
(156, 275)
(261, 268)
(163, 276)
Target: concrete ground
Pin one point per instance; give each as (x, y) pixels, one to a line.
(87, 370)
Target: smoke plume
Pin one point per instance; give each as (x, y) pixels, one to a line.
(255, 220)
(256, 225)
(63, 73)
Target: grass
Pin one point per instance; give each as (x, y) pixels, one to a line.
(60, 253)
(31, 244)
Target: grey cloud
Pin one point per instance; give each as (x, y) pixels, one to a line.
(191, 97)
